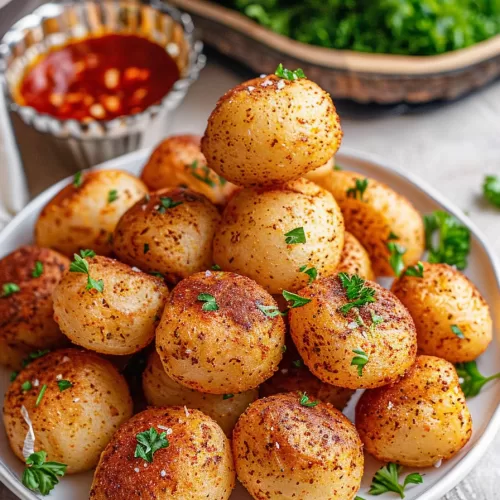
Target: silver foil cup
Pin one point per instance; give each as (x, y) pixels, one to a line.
(86, 144)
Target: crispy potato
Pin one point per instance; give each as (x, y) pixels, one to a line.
(26, 317)
(378, 217)
(285, 450)
(327, 339)
(120, 320)
(319, 173)
(419, 420)
(178, 162)
(197, 463)
(442, 301)
(175, 241)
(84, 216)
(355, 259)
(225, 346)
(73, 425)
(161, 390)
(268, 130)
(251, 239)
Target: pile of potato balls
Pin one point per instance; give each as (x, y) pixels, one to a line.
(234, 281)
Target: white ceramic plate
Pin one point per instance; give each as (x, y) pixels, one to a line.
(483, 270)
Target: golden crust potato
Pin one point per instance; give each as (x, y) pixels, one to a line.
(453, 320)
(252, 237)
(213, 337)
(327, 339)
(419, 420)
(269, 130)
(72, 424)
(171, 232)
(178, 162)
(320, 172)
(161, 390)
(377, 218)
(355, 259)
(85, 216)
(197, 463)
(285, 450)
(119, 320)
(26, 316)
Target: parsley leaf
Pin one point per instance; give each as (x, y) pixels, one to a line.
(80, 265)
(41, 394)
(270, 311)
(454, 239)
(304, 401)
(491, 189)
(216, 267)
(34, 355)
(228, 396)
(166, 203)
(206, 174)
(289, 74)
(392, 236)
(77, 179)
(296, 300)
(64, 384)
(457, 331)
(396, 257)
(416, 271)
(145, 248)
(37, 270)
(13, 376)
(295, 236)
(312, 272)
(9, 289)
(40, 475)
(26, 386)
(357, 292)
(387, 479)
(472, 379)
(149, 442)
(297, 363)
(209, 302)
(376, 320)
(360, 186)
(95, 284)
(112, 195)
(337, 168)
(359, 360)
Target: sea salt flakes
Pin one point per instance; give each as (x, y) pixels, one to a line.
(59, 377)
(136, 469)
(163, 473)
(281, 85)
(266, 83)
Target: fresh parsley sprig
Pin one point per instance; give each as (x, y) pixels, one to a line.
(387, 479)
(78, 179)
(227, 396)
(112, 195)
(359, 188)
(149, 442)
(360, 360)
(491, 189)
(40, 475)
(210, 304)
(37, 269)
(289, 74)
(312, 272)
(396, 252)
(270, 311)
(9, 289)
(295, 236)
(416, 271)
(34, 355)
(457, 331)
(205, 178)
(472, 381)
(166, 203)
(358, 294)
(64, 384)
(305, 401)
(296, 300)
(80, 265)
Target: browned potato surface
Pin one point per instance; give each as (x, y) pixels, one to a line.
(327, 339)
(197, 463)
(214, 338)
(174, 241)
(161, 390)
(419, 420)
(268, 130)
(453, 320)
(178, 162)
(85, 216)
(320, 172)
(378, 217)
(26, 316)
(252, 237)
(119, 320)
(74, 424)
(285, 450)
(355, 259)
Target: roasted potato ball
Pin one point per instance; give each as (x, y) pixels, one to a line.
(355, 259)
(376, 215)
(84, 213)
(453, 320)
(75, 401)
(363, 347)
(220, 333)
(120, 319)
(320, 172)
(27, 277)
(269, 130)
(196, 463)
(161, 390)
(274, 235)
(419, 420)
(171, 232)
(178, 162)
(285, 449)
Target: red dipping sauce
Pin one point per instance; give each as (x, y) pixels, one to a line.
(99, 78)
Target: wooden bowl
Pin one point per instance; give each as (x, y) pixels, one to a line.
(362, 77)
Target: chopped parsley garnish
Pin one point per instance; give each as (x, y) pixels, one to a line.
(491, 189)
(312, 272)
(37, 270)
(453, 239)
(270, 311)
(112, 195)
(40, 475)
(41, 394)
(209, 302)
(80, 265)
(304, 401)
(77, 179)
(9, 289)
(288, 74)
(396, 252)
(166, 203)
(376, 320)
(357, 292)
(156, 274)
(359, 360)
(358, 498)
(13, 376)
(387, 479)
(297, 363)
(295, 236)
(337, 168)
(472, 381)
(216, 267)
(296, 300)
(283, 349)
(146, 248)
(34, 355)
(64, 384)
(228, 396)
(416, 271)
(457, 331)
(26, 386)
(149, 442)
(392, 236)
(360, 186)
(206, 174)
